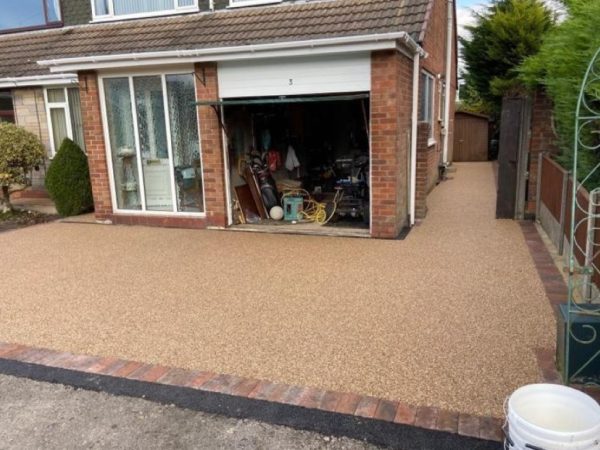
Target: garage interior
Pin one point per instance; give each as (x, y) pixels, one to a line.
(299, 164)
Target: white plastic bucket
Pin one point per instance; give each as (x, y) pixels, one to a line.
(552, 417)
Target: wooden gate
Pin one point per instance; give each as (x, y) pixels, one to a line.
(513, 157)
(471, 137)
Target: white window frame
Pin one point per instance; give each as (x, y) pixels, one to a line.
(242, 3)
(111, 175)
(56, 105)
(431, 97)
(111, 12)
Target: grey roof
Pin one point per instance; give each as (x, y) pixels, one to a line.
(287, 22)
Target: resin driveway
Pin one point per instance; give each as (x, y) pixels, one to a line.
(449, 317)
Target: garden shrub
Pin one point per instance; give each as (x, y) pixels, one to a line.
(68, 180)
(20, 152)
(560, 67)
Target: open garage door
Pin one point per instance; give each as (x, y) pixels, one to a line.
(295, 76)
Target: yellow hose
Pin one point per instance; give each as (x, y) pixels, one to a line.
(314, 211)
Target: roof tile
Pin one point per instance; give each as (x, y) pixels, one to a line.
(20, 52)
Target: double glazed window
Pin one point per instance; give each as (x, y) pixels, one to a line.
(154, 143)
(427, 100)
(29, 14)
(106, 9)
(63, 109)
(7, 112)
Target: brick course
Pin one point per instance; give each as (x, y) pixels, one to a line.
(391, 105)
(211, 143)
(376, 409)
(94, 143)
(542, 139)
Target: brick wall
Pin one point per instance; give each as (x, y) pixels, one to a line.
(391, 100)
(30, 113)
(542, 139)
(433, 41)
(94, 143)
(426, 159)
(211, 142)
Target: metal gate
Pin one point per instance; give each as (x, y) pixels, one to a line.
(580, 348)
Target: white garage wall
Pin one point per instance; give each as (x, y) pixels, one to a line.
(295, 76)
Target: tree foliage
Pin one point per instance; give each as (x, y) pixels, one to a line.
(503, 36)
(20, 152)
(560, 67)
(68, 180)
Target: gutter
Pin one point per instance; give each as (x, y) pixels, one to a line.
(413, 138)
(293, 48)
(448, 76)
(39, 80)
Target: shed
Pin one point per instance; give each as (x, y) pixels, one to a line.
(471, 136)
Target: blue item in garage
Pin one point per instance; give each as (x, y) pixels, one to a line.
(292, 207)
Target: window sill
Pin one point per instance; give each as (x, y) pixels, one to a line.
(167, 214)
(172, 12)
(431, 142)
(252, 3)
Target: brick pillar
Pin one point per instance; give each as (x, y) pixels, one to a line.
(391, 101)
(211, 140)
(423, 172)
(542, 139)
(94, 143)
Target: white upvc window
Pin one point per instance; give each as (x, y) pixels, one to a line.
(240, 3)
(426, 107)
(152, 141)
(124, 9)
(63, 111)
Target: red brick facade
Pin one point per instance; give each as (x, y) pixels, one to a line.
(391, 106)
(94, 143)
(391, 116)
(434, 42)
(211, 143)
(543, 139)
(427, 157)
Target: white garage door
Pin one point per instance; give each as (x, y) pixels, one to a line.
(295, 76)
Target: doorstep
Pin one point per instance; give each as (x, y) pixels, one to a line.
(379, 421)
(306, 229)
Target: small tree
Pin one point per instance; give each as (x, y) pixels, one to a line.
(20, 152)
(504, 34)
(560, 67)
(68, 180)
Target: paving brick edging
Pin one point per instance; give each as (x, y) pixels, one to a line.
(556, 293)
(349, 404)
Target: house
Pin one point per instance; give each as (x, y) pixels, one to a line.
(176, 97)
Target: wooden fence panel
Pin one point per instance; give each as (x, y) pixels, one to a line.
(551, 186)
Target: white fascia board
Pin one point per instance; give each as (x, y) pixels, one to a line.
(348, 44)
(39, 80)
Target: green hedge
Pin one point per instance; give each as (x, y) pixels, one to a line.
(68, 180)
(560, 67)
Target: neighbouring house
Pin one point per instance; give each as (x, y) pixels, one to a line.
(43, 103)
(179, 103)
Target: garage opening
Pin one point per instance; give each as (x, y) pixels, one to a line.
(299, 164)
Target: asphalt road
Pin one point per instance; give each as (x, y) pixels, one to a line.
(36, 415)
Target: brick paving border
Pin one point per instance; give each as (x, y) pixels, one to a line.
(556, 293)
(338, 403)
(352, 405)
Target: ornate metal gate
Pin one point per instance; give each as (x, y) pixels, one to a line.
(582, 341)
